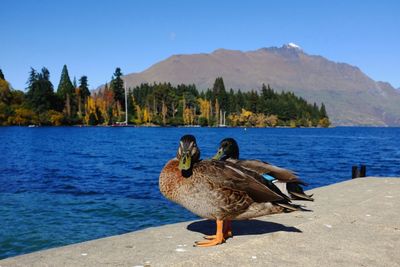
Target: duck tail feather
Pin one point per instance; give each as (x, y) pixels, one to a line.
(296, 192)
(289, 207)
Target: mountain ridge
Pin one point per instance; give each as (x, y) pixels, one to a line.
(350, 96)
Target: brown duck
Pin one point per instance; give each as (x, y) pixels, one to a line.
(218, 190)
(286, 180)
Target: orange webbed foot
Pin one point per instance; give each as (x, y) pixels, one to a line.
(209, 243)
(217, 239)
(227, 231)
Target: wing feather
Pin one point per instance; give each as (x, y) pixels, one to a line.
(228, 175)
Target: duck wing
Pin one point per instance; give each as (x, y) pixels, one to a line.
(293, 183)
(228, 175)
(262, 167)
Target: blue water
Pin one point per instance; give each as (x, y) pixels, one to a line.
(63, 185)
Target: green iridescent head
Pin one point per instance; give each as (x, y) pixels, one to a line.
(188, 152)
(228, 148)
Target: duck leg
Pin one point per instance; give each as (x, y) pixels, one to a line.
(219, 237)
(227, 231)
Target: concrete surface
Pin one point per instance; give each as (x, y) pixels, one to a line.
(353, 223)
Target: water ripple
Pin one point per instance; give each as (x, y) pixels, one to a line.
(64, 185)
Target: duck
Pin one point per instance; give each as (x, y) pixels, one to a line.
(287, 181)
(218, 190)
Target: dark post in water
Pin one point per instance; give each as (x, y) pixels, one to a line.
(357, 174)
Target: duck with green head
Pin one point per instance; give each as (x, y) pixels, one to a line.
(286, 180)
(218, 190)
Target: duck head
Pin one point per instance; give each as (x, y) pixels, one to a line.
(228, 148)
(188, 152)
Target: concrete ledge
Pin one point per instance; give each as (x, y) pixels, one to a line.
(353, 223)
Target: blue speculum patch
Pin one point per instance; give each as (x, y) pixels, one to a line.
(268, 177)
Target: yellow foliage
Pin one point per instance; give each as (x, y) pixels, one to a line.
(23, 116)
(205, 108)
(103, 105)
(147, 115)
(5, 92)
(234, 119)
(56, 118)
(324, 122)
(272, 120)
(90, 107)
(259, 120)
(246, 113)
(188, 116)
(248, 118)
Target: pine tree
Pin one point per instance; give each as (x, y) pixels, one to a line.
(40, 93)
(231, 105)
(82, 93)
(263, 100)
(65, 86)
(74, 84)
(66, 92)
(117, 86)
(322, 111)
(84, 87)
(220, 93)
(240, 101)
(2, 75)
(33, 77)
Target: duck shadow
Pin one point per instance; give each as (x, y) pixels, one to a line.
(245, 227)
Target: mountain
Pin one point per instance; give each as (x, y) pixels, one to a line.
(350, 96)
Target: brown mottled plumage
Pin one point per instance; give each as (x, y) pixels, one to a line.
(286, 180)
(218, 190)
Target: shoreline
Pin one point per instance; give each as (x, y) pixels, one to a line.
(341, 230)
(195, 126)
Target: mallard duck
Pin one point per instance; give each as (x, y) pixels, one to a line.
(286, 180)
(218, 190)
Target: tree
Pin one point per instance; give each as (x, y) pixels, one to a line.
(322, 111)
(5, 92)
(23, 116)
(66, 91)
(165, 104)
(220, 93)
(117, 86)
(83, 91)
(56, 118)
(83, 85)
(267, 95)
(74, 84)
(205, 109)
(33, 77)
(2, 75)
(40, 93)
(90, 114)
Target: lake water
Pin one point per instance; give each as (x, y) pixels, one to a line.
(64, 185)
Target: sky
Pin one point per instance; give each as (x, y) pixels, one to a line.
(93, 37)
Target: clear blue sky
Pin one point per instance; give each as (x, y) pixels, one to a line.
(93, 37)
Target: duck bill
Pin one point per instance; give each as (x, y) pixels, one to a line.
(185, 162)
(219, 154)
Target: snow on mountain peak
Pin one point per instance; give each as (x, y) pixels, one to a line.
(293, 45)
